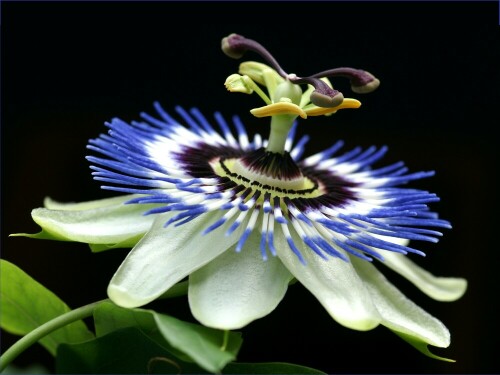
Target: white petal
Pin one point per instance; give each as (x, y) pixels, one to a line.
(88, 205)
(236, 288)
(398, 312)
(396, 240)
(334, 282)
(165, 256)
(439, 288)
(105, 221)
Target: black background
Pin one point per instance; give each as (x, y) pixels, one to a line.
(68, 67)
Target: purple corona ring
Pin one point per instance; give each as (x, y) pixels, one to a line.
(242, 217)
(333, 201)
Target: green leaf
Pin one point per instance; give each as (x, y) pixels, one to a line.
(188, 341)
(109, 318)
(269, 368)
(26, 304)
(36, 368)
(125, 351)
(202, 344)
(131, 351)
(421, 346)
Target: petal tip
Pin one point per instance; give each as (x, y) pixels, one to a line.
(359, 324)
(121, 297)
(457, 287)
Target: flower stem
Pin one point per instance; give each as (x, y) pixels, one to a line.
(40, 332)
(225, 340)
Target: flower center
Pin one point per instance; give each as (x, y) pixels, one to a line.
(268, 172)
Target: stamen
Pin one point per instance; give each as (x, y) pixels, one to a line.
(279, 109)
(323, 95)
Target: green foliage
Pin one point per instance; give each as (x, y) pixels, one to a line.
(129, 341)
(26, 304)
(131, 351)
(190, 342)
(35, 368)
(124, 351)
(269, 368)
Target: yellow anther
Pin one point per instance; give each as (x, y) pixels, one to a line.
(281, 108)
(319, 111)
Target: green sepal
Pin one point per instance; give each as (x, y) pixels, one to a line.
(42, 235)
(126, 244)
(25, 305)
(94, 247)
(104, 224)
(421, 346)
